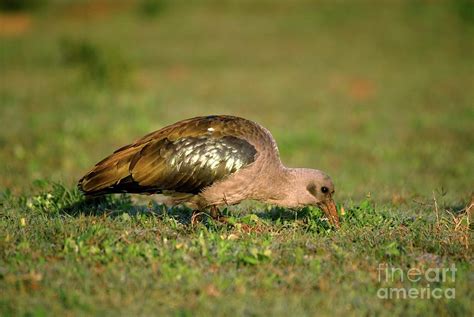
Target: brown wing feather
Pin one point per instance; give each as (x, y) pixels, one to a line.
(184, 157)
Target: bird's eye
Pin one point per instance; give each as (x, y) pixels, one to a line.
(324, 189)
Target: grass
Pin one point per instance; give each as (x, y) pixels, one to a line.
(377, 95)
(61, 254)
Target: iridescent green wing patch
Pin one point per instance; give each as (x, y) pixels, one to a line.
(190, 164)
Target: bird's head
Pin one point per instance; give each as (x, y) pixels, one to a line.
(311, 187)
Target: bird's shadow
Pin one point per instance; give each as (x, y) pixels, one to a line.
(116, 205)
(282, 214)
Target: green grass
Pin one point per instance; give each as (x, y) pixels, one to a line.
(378, 95)
(60, 254)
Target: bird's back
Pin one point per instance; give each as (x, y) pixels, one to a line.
(184, 157)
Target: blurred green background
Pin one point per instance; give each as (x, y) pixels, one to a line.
(377, 93)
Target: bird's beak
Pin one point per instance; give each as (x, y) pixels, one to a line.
(329, 208)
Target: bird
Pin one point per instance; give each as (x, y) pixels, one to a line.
(208, 162)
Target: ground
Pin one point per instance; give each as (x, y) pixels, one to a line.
(377, 95)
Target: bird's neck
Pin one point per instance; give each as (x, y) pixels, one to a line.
(281, 187)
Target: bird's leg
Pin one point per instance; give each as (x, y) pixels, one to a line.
(196, 216)
(217, 215)
(214, 212)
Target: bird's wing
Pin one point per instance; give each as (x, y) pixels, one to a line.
(182, 158)
(191, 163)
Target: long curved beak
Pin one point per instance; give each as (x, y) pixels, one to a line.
(329, 208)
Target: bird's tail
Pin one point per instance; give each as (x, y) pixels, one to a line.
(108, 175)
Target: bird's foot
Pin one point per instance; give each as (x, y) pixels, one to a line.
(196, 217)
(214, 213)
